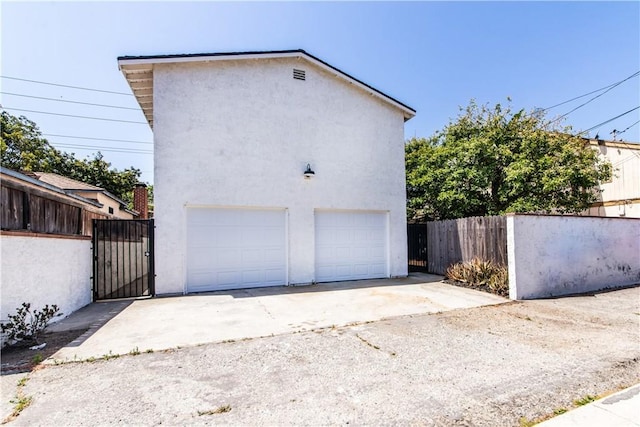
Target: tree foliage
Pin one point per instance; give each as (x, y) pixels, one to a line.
(491, 161)
(23, 148)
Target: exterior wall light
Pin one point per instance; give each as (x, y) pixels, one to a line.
(308, 173)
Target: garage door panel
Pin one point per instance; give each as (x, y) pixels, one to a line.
(252, 277)
(229, 257)
(235, 248)
(350, 245)
(224, 278)
(342, 271)
(275, 275)
(378, 269)
(361, 270)
(274, 255)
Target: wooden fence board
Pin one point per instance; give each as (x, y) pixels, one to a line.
(12, 208)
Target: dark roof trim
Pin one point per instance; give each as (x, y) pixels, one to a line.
(197, 55)
(266, 52)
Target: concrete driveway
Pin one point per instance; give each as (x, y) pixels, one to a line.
(120, 327)
(501, 365)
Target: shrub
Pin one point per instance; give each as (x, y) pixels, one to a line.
(27, 325)
(481, 273)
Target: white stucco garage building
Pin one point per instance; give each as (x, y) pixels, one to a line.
(233, 135)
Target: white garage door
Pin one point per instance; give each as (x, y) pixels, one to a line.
(350, 245)
(235, 248)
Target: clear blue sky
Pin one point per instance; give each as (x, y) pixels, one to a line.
(433, 56)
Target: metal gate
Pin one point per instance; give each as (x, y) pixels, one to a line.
(122, 258)
(417, 247)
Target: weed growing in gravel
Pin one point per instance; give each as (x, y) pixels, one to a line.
(218, 410)
(149, 350)
(36, 359)
(110, 355)
(526, 422)
(585, 400)
(559, 411)
(134, 352)
(20, 402)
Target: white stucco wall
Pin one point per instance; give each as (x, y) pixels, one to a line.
(625, 162)
(45, 270)
(559, 255)
(240, 133)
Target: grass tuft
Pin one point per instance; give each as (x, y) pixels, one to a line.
(584, 400)
(218, 410)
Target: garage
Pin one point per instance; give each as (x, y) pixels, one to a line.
(235, 248)
(350, 245)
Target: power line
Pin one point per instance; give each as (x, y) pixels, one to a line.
(627, 128)
(68, 86)
(96, 139)
(99, 148)
(592, 92)
(610, 120)
(72, 102)
(598, 96)
(70, 115)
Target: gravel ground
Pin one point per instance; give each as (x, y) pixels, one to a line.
(487, 366)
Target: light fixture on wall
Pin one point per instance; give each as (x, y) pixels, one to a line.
(308, 173)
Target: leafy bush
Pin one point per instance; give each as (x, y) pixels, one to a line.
(481, 274)
(27, 325)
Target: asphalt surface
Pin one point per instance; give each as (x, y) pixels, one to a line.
(488, 366)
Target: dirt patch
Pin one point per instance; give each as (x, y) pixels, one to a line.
(19, 358)
(483, 288)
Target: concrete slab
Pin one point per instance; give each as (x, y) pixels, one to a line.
(621, 409)
(162, 323)
(8, 388)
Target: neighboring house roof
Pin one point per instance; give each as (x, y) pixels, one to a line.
(64, 182)
(138, 71)
(74, 186)
(45, 185)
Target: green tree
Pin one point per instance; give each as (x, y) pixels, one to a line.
(491, 161)
(22, 148)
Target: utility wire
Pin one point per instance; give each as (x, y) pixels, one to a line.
(627, 128)
(72, 87)
(596, 97)
(94, 147)
(72, 102)
(96, 139)
(610, 120)
(70, 115)
(592, 92)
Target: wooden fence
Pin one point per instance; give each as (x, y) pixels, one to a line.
(40, 213)
(436, 245)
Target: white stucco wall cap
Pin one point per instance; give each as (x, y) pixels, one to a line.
(138, 70)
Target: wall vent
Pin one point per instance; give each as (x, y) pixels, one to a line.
(299, 74)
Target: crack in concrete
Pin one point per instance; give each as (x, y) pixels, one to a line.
(370, 344)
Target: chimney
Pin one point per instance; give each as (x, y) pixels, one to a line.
(141, 200)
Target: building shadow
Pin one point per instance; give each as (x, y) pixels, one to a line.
(68, 332)
(412, 279)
